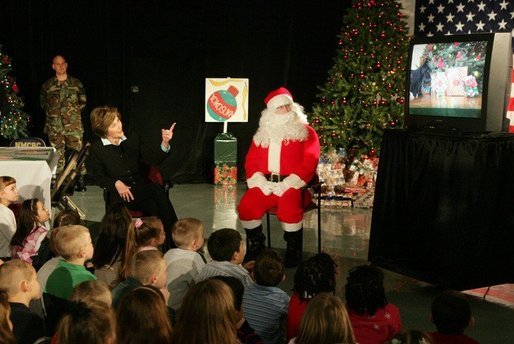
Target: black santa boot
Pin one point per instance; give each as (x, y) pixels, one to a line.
(294, 249)
(254, 243)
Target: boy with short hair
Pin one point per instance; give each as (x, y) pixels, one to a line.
(451, 314)
(227, 251)
(18, 279)
(146, 268)
(184, 263)
(73, 242)
(264, 304)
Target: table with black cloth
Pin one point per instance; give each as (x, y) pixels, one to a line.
(444, 208)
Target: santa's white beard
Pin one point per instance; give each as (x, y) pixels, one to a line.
(290, 126)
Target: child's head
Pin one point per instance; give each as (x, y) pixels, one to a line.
(8, 191)
(364, 290)
(451, 312)
(142, 317)
(226, 244)
(6, 326)
(238, 289)
(315, 275)
(269, 269)
(111, 243)
(74, 241)
(188, 234)
(67, 217)
(207, 315)
(147, 231)
(19, 280)
(325, 321)
(92, 323)
(32, 213)
(149, 268)
(92, 291)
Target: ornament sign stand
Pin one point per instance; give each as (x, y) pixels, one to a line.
(226, 100)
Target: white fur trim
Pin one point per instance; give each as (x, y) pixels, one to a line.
(279, 100)
(257, 180)
(274, 156)
(251, 224)
(292, 227)
(294, 181)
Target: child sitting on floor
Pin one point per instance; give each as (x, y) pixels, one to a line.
(184, 263)
(8, 195)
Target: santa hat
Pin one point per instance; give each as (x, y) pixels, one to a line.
(277, 98)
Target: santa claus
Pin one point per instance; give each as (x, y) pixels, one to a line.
(281, 160)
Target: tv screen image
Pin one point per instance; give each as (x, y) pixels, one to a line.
(459, 83)
(446, 78)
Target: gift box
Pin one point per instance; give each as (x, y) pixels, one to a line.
(456, 81)
(225, 159)
(439, 83)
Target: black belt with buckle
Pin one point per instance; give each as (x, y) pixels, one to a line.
(275, 178)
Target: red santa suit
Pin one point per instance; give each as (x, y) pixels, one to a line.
(293, 157)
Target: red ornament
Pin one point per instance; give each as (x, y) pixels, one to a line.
(5, 59)
(15, 88)
(372, 152)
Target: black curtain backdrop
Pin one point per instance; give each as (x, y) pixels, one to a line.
(167, 49)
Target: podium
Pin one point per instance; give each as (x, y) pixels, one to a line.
(443, 210)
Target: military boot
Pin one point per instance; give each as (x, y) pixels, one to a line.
(294, 248)
(254, 243)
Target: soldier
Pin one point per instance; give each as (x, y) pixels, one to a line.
(63, 98)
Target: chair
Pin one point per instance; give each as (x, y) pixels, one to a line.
(313, 187)
(28, 142)
(154, 175)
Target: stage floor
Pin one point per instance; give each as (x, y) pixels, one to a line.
(345, 235)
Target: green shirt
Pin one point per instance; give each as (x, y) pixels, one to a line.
(65, 277)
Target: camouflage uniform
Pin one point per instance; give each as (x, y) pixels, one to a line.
(63, 102)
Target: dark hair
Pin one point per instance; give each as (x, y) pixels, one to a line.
(237, 289)
(223, 243)
(110, 245)
(451, 312)
(314, 276)
(67, 217)
(27, 219)
(6, 335)
(269, 269)
(364, 290)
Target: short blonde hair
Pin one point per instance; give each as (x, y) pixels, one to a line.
(5, 181)
(70, 239)
(13, 272)
(186, 230)
(102, 117)
(94, 291)
(146, 264)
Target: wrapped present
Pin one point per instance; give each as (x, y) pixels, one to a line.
(456, 81)
(225, 159)
(439, 83)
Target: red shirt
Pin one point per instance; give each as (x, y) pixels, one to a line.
(440, 338)
(294, 315)
(378, 328)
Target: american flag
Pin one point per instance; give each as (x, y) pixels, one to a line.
(448, 17)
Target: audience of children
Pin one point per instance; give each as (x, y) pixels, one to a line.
(207, 315)
(142, 317)
(31, 233)
(6, 326)
(144, 234)
(111, 244)
(265, 304)
(451, 314)
(184, 262)
(227, 251)
(325, 321)
(373, 319)
(74, 245)
(245, 333)
(18, 279)
(8, 195)
(147, 268)
(313, 276)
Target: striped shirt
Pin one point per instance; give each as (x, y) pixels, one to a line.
(224, 268)
(265, 309)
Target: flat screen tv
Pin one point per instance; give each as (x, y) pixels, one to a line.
(459, 83)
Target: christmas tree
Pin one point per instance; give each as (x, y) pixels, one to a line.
(364, 93)
(13, 120)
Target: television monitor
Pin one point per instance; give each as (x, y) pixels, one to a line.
(459, 83)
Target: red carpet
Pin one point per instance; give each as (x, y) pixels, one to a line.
(502, 294)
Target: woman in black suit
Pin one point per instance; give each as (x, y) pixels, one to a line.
(113, 163)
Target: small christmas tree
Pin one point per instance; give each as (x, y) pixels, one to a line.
(13, 120)
(364, 93)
